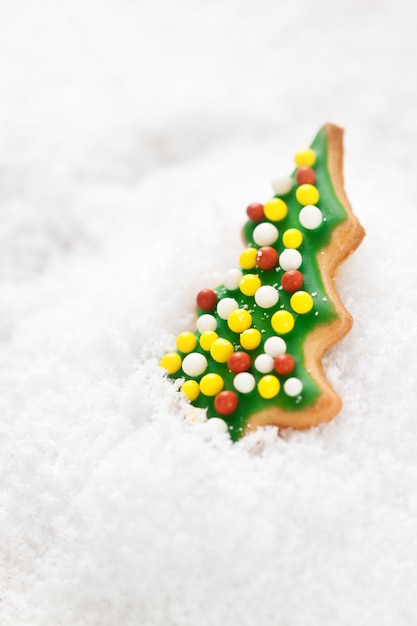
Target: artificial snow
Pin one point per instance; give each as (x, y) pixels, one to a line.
(132, 137)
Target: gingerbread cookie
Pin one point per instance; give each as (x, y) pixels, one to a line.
(255, 356)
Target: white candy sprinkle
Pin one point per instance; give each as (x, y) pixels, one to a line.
(232, 278)
(282, 185)
(264, 363)
(215, 426)
(225, 306)
(206, 322)
(274, 346)
(266, 296)
(265, 234)
(290, 259)
(244, 382)
(194, 364)
(293, 387)
(310, 217)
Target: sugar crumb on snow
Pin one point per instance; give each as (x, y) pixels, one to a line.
(133, 136)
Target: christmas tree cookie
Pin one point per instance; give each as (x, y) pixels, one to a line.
(255, 356)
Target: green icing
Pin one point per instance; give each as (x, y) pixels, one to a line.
(322, 312)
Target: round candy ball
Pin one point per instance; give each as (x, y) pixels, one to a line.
(265, 234)
(244, 382)
(231, 279)
(301, 302)
(239, 320)
(275, 346)
(266, 296)
(282, 322)
(276, 209)
(186, 342)
(239, 362)
(211, 384)
(284, 364)
(207, 338)
(249, 284)
(310, 217)
(290, 259)
(226, 402)
(267, 258)
(292, 238)
(268, 386)
(226, 306)
(292, 280)
(305, 157)
(206, 299)
(247, 258)
(250, 338)
(221, 349)
(194, 364)
(191, 389)
(171, 362)
(293, 387)
(255, 212)
(206, 322)
(307, 194)
(264, 363)
(282, 185)
(305, 176)
(215, 426)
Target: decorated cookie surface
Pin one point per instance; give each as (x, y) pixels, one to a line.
(255, 356)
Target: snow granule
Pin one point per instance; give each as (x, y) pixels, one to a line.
(133, 136)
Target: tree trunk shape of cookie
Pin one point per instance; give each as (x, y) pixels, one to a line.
(255, 356)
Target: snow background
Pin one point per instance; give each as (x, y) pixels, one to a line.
(133, 135)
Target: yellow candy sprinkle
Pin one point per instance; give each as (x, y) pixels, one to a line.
(191, 389)
(186, 342)
(305, 157)
(250, 339)
(247, 259)
(301, 302)
(276, 209)
(249, 284)
(221, 349)
(239, 320)
(282, 322)
(292, 238)
(307, 194)
(207, 339)
(211, 384)
(171, 362)
(269, 386)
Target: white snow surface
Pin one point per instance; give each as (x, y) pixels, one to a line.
(132, 137)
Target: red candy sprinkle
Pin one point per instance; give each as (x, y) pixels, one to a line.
(206, 299)
(225, 402)
(284, 364)
(255, 212)
(305, 175)
(239, 362)
(267, 258)
(292, 280)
